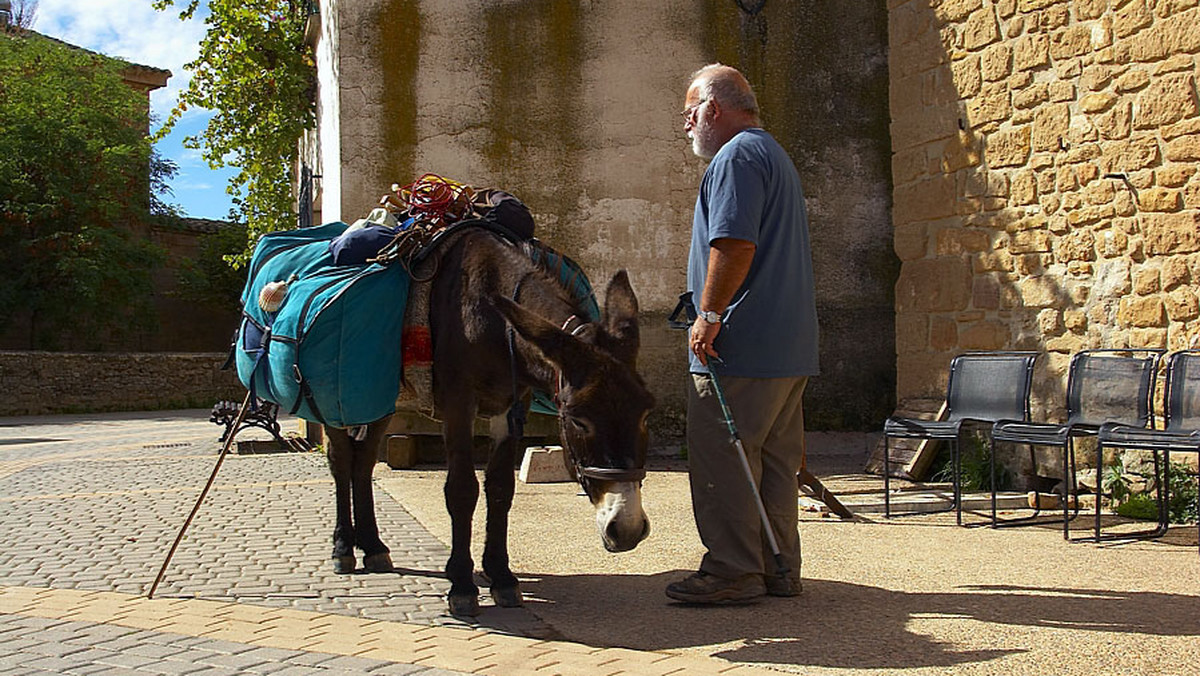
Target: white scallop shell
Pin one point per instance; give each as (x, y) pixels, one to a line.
(271, 296)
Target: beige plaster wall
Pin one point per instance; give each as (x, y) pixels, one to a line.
(1046, 188)
(573, 106)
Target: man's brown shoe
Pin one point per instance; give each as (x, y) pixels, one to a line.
(777, 586)
(710, 589)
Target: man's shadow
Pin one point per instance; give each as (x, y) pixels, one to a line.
(836, 624)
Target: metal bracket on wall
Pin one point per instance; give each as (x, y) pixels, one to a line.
(751, 10)
(1124, 178)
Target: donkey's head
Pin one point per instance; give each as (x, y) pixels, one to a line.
(602, 405)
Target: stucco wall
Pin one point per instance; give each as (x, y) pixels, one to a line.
(1046, 187)
(573, 106)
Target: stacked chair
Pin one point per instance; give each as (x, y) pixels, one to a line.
(983, 387)
(1110, 396)
(1104, 388)
(1180, 433)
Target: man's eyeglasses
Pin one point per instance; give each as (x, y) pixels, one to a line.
(688, 112)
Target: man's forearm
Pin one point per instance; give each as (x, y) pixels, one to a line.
(728, 264)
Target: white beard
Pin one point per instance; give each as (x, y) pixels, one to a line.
(703, 144)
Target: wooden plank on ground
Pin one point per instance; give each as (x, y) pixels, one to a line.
(808, 480)
(910, 458)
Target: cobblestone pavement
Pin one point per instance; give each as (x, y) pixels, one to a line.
(90, 504)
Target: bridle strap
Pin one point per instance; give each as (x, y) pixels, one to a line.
(611, 474)
(516, 412)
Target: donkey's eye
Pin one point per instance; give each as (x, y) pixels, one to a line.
(642, 422)
(580, 426)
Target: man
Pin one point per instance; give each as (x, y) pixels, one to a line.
(750, 274)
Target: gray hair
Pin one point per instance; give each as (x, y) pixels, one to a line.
(727, 85)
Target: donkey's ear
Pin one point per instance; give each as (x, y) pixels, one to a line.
(621, 318)
(557, 345)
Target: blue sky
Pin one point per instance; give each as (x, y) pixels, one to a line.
(135, 31)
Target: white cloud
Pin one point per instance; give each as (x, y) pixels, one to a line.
(192, 157)
(195, 186)
(131, 30)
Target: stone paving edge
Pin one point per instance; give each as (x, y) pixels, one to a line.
(454, 649)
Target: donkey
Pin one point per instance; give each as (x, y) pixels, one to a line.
(499, 326)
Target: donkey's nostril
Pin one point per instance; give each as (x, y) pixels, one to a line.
(612, 532)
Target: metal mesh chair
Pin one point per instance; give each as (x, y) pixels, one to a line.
(983, 387)
(1103, 386)
(1181, 433)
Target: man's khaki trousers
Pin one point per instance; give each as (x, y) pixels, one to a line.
(769, 417)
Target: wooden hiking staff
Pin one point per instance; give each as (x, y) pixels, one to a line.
(212, 477)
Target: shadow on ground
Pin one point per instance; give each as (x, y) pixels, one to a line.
(837, 624)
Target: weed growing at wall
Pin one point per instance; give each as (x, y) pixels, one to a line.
(1180, 509)
(975, 456)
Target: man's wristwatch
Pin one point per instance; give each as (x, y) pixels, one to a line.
(710, 316)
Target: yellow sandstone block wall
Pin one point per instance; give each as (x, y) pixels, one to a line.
(1046, 192)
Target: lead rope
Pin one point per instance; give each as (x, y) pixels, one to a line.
(576, 466)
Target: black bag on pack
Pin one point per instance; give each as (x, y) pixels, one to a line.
(504, 209)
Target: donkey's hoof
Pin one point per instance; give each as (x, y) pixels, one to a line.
(378, 563)
(343, 565)
(508, 597)
(463, 605)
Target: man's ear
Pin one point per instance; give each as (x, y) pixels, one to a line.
(715, 107)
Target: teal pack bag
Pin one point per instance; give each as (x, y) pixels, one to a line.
(330, 352)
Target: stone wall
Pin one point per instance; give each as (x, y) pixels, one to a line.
(184, 325)
(1045, 157)
(573, 106)
(178, 324)
(34, 383)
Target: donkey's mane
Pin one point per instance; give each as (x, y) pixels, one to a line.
(566, 273)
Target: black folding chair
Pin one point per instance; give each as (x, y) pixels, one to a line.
(1181, 434)
(1103, 386)
(983, 387)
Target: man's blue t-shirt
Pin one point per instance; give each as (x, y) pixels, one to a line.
(751, 191)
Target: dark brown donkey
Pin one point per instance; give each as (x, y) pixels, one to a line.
(480, 368)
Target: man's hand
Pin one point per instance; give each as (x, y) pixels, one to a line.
(702, 335)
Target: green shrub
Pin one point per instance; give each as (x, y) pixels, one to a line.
(1139, 506)
(1115, 483)
(1182, 507)
(975, 454)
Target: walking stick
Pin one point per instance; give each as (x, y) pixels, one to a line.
(220, 458)
(781, 567)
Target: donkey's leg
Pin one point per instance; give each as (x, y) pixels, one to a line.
(340, 454)
(462, 492)
(498, 487)
(366, 531)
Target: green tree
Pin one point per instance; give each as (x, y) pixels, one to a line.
(257, 74)
(209, 279)
(77, 180)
